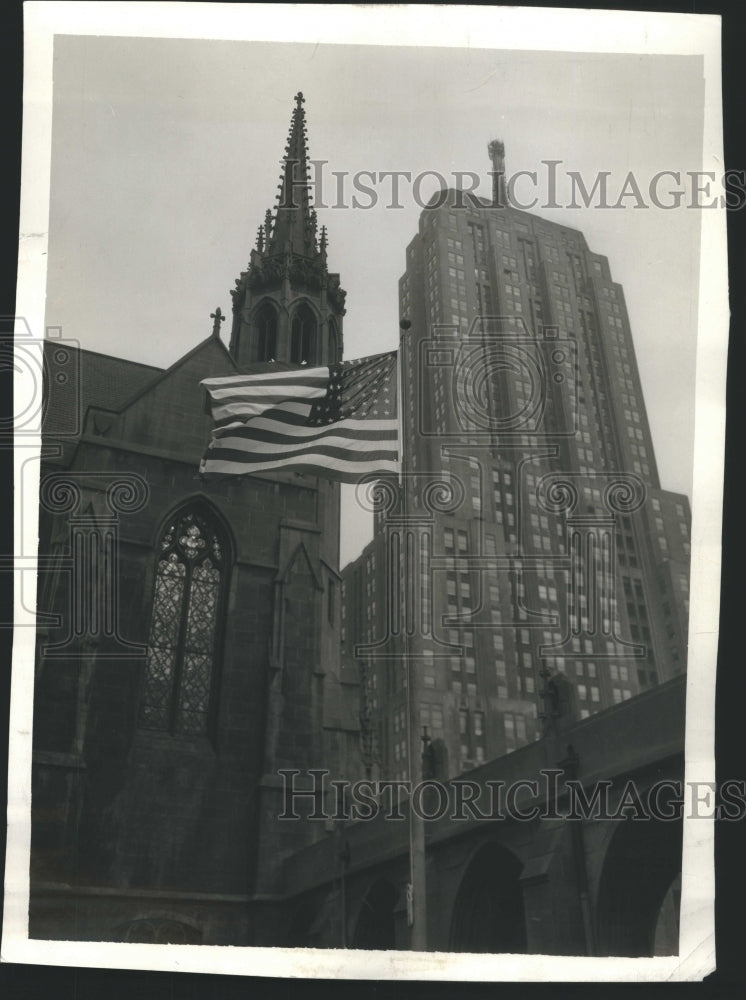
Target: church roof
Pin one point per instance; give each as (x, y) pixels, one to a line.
(119, 400)
(86, 378)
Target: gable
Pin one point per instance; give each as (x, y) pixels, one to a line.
(169, 413)
(76, 379)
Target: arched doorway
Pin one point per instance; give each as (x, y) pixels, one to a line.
(488, 914)
(375, 924)
(639, 890)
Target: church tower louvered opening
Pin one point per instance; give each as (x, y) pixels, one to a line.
(287, 307)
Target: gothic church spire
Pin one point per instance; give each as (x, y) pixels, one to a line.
(287, 307)
(294, 226)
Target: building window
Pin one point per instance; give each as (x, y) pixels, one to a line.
(187, 606)
(428, 670)
(331, 605)
(509, 725)
(333, 343)
(303, 342)
(266, 331)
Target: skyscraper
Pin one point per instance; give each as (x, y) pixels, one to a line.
(554, 549)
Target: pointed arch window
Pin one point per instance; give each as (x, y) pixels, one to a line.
(333, 342)
(266, 332)
(303, 342)
(188, 600)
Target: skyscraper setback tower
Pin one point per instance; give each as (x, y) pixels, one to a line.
(554, 549)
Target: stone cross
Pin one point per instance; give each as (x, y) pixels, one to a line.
(219, 318)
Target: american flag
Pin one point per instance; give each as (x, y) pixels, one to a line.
(339, 421)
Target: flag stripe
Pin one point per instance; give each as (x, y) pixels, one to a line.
(308, 376)
(342, 450)
(270, 445)
(256, 404)
(293, 421)
(251, 406)
(295, 414)
(279, 391)
(338, 469)
(264, 429)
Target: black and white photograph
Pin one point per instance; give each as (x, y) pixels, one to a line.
(369, 424)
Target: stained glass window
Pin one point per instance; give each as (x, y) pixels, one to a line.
(186, 606)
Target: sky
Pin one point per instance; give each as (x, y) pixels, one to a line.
(166, 154)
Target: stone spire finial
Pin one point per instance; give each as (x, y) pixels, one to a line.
(292, 225)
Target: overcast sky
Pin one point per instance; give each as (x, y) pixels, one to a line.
(166, 155)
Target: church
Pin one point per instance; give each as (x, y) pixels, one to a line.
(188, 641)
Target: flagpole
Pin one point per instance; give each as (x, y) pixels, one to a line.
(416, 890)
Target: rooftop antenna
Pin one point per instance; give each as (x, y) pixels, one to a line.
(496, 150)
